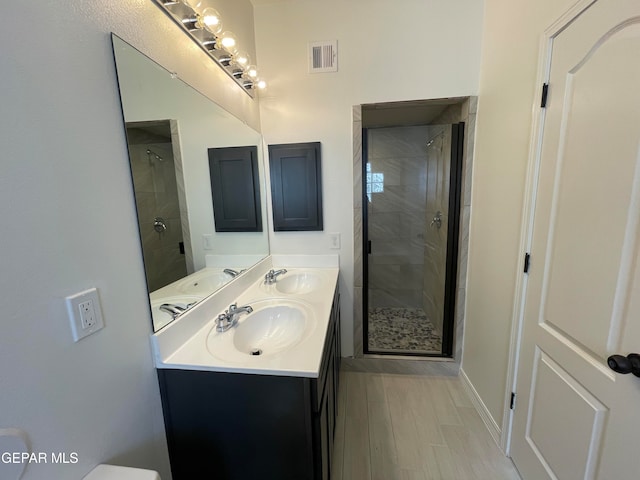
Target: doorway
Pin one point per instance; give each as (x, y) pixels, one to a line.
(411, 207)
(574, 416)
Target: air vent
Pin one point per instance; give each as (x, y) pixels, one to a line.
(323, 57)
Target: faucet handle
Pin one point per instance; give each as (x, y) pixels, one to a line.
(271, 275)
(232, 307)
(223, 322)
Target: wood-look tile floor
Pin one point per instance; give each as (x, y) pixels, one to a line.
(402, 427)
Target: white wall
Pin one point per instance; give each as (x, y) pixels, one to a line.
(389, 50)
(68, 223)
(507, 97)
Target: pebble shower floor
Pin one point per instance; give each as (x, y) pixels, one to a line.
(402, 330)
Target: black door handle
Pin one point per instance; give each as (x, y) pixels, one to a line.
(624, 365)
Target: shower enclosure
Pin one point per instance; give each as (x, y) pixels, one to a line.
(411, 214)
(153, 169)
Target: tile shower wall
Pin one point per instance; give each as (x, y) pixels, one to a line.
(435, 251)
(156, 194)
(396, 215)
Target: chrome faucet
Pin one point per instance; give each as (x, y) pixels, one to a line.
(175, 310)
(271, 275)
(232, 272)
(229, 318)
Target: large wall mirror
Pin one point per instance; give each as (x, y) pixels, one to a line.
(171, 128)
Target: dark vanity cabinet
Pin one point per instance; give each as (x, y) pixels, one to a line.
(237, 426)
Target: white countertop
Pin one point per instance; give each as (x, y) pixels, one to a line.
(185, 345)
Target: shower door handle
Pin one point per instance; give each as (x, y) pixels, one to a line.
(437, 220)
(159, 225)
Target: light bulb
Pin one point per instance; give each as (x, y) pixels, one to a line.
(195, 4)
(211, 20)
(261, 84)
(252, 72)
(242, 59)
(229, 42)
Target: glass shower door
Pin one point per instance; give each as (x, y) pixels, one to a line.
(407, 223)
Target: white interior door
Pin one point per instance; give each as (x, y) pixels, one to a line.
(575, 418)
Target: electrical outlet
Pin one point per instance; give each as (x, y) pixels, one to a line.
(87, 314)
(84, 313)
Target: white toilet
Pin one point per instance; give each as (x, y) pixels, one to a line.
(112, 472)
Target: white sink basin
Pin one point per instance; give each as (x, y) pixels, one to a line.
(297, 283)
(160, 318)
(203, 282)
(273, 327)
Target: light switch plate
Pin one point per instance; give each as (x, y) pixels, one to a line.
(334, 240)
(85, 313)
(207, 241)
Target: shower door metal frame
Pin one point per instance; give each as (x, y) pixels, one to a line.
(453, 238)
(453, 233)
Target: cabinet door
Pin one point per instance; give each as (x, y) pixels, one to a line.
(296, 186)
(235, 188)
(325, 422)
(324, 462)
(337, 347)
(331, 407)
(231, 426)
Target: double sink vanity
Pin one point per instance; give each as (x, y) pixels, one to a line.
(249, 375)
(248, 367)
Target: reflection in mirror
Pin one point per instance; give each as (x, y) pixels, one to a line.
(170, 128)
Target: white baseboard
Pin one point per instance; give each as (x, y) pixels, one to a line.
(481, 408)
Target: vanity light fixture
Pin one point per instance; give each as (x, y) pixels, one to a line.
(205, 28)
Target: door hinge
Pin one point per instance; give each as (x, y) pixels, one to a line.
(368, 246)
(513, 400)
(545, 92)
(527, 261)
(181, 248)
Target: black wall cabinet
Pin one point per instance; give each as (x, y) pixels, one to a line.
(296, 186)
(235, 188)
